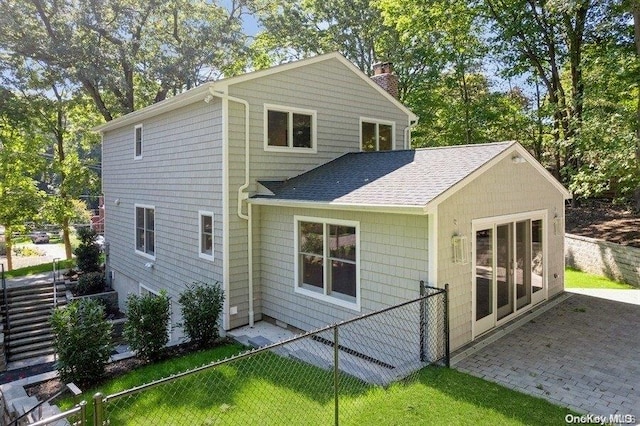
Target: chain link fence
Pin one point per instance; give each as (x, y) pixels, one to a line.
(315, 378)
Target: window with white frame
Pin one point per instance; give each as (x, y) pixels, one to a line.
(376, 135)
(289, 129)
(137, 137)
(206, 235)
(327, 260)
(145, 230)
(143, 291)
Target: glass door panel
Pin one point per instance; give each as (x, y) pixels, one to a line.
(522, 264)
(504, 270)
(484, 273)
(537, 260)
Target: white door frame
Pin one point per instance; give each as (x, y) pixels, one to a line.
(485, 324)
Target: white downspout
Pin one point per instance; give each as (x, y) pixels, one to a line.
(242, 195)
(407, 137)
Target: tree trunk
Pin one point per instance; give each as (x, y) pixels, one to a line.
(9, 242)
(66, 238)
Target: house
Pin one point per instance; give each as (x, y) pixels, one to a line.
(296, 189)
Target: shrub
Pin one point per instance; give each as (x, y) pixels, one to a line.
(82, 339)
(90, 283)
(201, 307)
(26, 251)
(88, 252)
(147, 324)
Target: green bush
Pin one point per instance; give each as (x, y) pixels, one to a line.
(201, 307)
(89, 283)
(88, 252)
(82, 339)
(147, 324)
(26, 251)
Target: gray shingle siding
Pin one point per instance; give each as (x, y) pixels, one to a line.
(180, 174)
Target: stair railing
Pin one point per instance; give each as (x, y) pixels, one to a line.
(56, 277)
(6, 298)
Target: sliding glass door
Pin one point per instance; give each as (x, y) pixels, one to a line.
(508, 269)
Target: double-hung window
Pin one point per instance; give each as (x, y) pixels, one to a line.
(289, 129)
(137, 142)
(206, 235)
(145, 230)
(327, 260)
(376, 135)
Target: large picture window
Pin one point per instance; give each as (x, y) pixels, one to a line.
(327, 260)
(289, 129)
(376, 135)
(145, 230)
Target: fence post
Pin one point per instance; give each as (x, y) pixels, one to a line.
(98, 409)
(422, 321)
(83, 413)
(336, 376)
(446, 326)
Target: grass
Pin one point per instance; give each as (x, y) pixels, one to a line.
(38, 269)
(574, 278)
(270, 390)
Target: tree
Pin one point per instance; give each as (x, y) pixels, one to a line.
(124, 53)
(19, 147)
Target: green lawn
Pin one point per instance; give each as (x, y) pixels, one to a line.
(574, 278)
(271, 390)
(38, 269)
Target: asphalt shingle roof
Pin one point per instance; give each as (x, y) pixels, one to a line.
(399, 178)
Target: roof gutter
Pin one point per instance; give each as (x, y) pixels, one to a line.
(242, 194)
(328, 205)
(407, 132)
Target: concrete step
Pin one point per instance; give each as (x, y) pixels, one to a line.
(27, 303)
(25, 316)
(31, 354)
(16, 344)
(27, 327)
(34, 289)
(12, 352)
(44, 328)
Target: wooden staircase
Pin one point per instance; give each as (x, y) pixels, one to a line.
(26, 320)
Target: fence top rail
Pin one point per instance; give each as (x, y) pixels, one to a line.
(59, 416)
(252, 352)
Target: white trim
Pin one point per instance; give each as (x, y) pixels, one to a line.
(135, 141)
(377, 122)
(432, 269)
(296, 267)
(290, 111)
(201, 255)
(200, 93)
(333, 205)
(226, 320)
(492, 223)
(135, 229)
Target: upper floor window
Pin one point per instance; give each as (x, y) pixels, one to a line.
(376, 135)
(206, 235)
(145, 230)
(137, 141)
(289, 129)
(327, 260)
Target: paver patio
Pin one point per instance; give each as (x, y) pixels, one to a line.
(583, 353)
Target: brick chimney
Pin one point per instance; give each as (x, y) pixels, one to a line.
(384, 77)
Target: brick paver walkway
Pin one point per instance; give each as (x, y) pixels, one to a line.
(583, 353)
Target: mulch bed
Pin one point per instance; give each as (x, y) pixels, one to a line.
(604, 221)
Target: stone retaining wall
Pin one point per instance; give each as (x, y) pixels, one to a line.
(618, 262)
